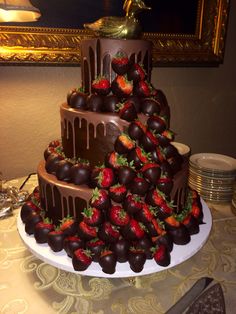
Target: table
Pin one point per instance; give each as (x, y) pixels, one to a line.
(28, 285)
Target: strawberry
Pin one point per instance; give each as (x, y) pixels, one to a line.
(102, 177)
(27, 209)
(165, 137)
(155, 197)
(108, 232)
(72, 243)
(137, 259)
(121, 86)
(96, 246)
(123, 144)
(156, 123)
(158, 155)
(42, 229)
(139, 186)
(121, 249)
(138, 156)
(56, 239)
(155, 228)
(108, 261)
(126, 174)
(165, 184)
(76, 98)
(191, 224)
(117, 193)
(196, 211)
(133, 230)
(163, 238)
(164, 210)
(69, 226)
(81, 259)
(120, 63)
(148, 141)
(161, 255)
(114, 160)
(92, 216)
(150, 107)
(177, 230)
(101, 86)
(100, 199)
(132, 203)
(127, 111)
(142, 89)
(32, 219)
(146, 214)
(87, 232)
(136, 73)
(151, 171)
(136, 129)
(118, 216)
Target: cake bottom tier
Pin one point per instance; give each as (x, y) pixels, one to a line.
(60, 199)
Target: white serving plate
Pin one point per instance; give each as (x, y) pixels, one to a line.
(179, 254)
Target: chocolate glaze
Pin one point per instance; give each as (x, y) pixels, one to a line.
(96, 56)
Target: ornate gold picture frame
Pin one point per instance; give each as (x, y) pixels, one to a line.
(59, 46)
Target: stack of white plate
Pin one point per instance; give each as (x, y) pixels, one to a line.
(213, 176)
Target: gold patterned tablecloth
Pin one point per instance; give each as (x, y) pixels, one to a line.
(28, 285)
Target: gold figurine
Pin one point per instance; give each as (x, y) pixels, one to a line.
(120, 27)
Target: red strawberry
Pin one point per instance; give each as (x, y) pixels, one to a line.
(148, 141)
(92, 216)
(87, 232)
(42, 229)
(108, 261)
(101, 86)
(158, 155)
(127, 111)
(142, 89)
(136, 73)
(120, 63)
(165, 184)
(121, 248)
(196, 211)
(69, 226)
(138, 156)
(96, 246)
(108, 232)
(165, 137)
(164, 210)
(132, 204)
(102, 177)
(121, 87)
(146, 214)
(133, 231)
(161, 255)
(114, 160)
(136, 129)
(155, 197)
(178, 232)
(117, 193)
(27, 209)
(139, 186)
(72, 243)
(123, 144)
(155, 228)
(100, 199)
(81, 259)
(118, 216)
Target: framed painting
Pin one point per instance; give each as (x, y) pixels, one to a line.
(183, 33)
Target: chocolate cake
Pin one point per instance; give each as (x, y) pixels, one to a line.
(115, 175)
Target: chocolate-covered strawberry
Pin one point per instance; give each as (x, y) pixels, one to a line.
(142, 89)
(170, 151)
(135, 100)
(72, 243)
(52, 163)
(157, 155)
(56, 240)
(118, 216)
(123, 144)
(137, 259)
(101, 86)
(145, 244)
(196, 210)
(175, 163)
(138, 156)
(134, 230)
(100, 199)
(42, 229)
(69, 226)
(148, 141)
(164, 210)
(102, 177)
(132, 203)
(127, 111)
(161, 255)
(108, 232)
(136, 129)
(95, 103)
(145, 214)
(63, 170)
(81, 259)
(108, 261)
(136, 73)
(77, 99)
(155, 227)
(87, 232)
(126, 174)
(121, 86)
(96, 246)
(156, 123)
(92, 216)
(165, 184)
(139, 186)
(80, 173)
(166, 137)
(117, 193)
(166, 169)
(151, 172)
(31, 221)
(177, 230)
(120, 63)
(27, 209)
(165, 239)
(150, 107)
(191, 224)
(155, 197)
(121, 249)
(110, 103)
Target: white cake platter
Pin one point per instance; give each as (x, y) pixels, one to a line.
(179, 254)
